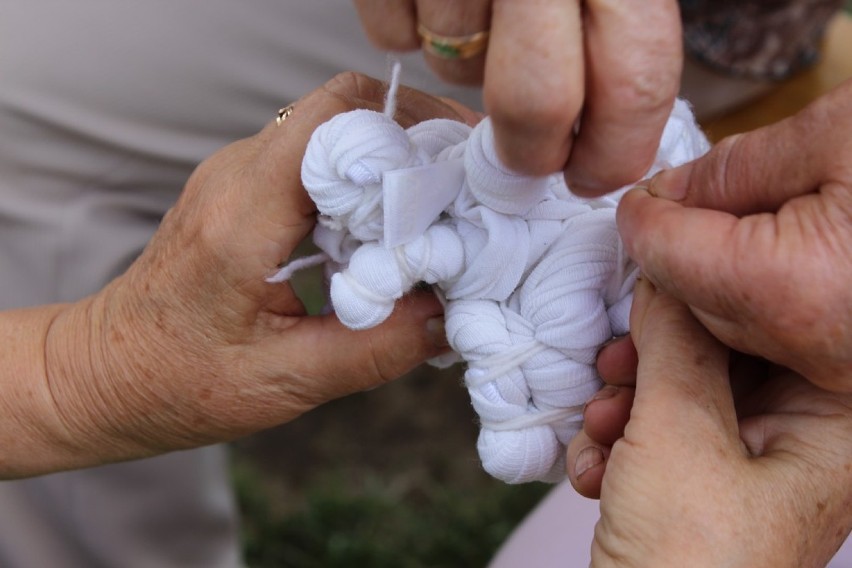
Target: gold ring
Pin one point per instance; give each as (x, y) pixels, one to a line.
(283, 113)
(453, 47)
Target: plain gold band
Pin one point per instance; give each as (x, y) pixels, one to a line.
(453, 47)
(283, 113)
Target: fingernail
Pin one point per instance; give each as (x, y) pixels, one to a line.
(437, 332)
(587, 459)
(671, 184)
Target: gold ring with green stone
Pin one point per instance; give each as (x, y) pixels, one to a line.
(453, 47)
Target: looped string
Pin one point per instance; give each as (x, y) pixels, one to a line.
(502, 363)
(533, 419)
(423, 266)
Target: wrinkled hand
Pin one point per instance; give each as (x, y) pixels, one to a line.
(550, 63)
(746, 467)
(192, 346)
(756, 237)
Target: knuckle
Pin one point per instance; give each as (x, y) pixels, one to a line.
(717, 174)
(646, 90)
(393, 38)
(534, 134)
(349, 84)
(545, 109)
(347, 91)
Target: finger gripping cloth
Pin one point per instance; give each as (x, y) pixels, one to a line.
(535, 280)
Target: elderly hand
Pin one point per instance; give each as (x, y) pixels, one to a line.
(192, 346)
(756, 237)
(715, 467)
(584, 87)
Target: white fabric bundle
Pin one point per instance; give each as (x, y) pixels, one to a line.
(535, 279)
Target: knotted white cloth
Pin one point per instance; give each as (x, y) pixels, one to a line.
(535, 279)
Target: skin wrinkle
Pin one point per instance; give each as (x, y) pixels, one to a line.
(376, 16)
(639, 89)
(139, 399)
(65, 435)
(831, 219)
(726, 175)
(110, 401)
(800, 293)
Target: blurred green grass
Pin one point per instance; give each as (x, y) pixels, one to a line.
(375, 524)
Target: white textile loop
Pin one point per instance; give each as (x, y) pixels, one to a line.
(535, 280)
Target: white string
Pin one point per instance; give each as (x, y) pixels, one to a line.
(533, 419)
(286, 272)
(362, 290)
(500, 364)
(393, 87)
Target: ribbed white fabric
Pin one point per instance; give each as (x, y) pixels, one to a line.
(535, 279)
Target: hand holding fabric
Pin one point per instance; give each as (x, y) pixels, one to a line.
(610, 69)
(192, 346)
(715, 467)
(756, 237)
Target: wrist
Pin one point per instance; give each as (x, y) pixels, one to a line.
(109, 363)
(82, 376)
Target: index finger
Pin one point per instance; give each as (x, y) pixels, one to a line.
(634, 57)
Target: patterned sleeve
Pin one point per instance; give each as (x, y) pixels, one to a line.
(768, 39)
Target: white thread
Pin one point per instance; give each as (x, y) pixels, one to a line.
(488, 369)
(362, 290)
(405, 267)
(393, 87)
(286, 272)
(534, 419)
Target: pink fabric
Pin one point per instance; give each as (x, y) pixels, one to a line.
(559, 532)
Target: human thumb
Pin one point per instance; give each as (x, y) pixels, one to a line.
(329, 361)
(761, 170)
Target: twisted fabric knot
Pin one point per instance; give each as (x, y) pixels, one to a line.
(535, 279)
